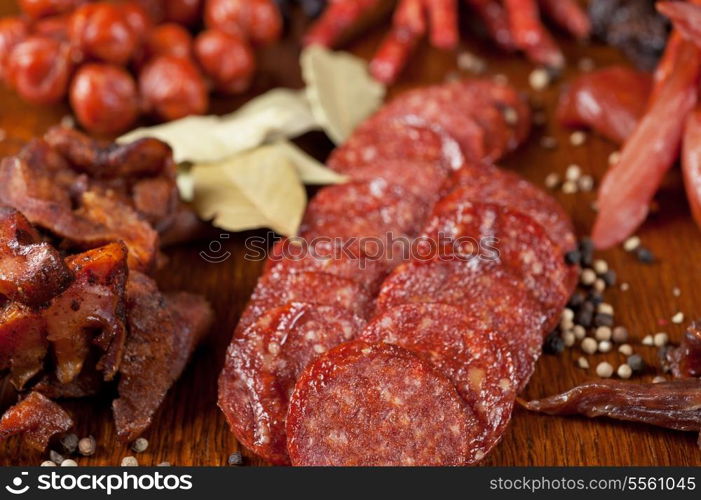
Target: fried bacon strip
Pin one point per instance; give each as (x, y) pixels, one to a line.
(628, 187)
(685, 361)
(31, 271)
(673, 405)
(163, 332)
(37, 419)
(610, 100)
(90, 312)
(23, 344)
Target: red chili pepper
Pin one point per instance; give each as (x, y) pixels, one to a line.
(530, 34)
(443, 15)
(569, 15)
(691, 163)
(629, 186)
(496, 21)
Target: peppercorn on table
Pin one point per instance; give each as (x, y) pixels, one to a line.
(647, 297)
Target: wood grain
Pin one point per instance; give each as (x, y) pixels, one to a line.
(190, 430)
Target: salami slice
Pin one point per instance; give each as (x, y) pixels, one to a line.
(278, 288)
(377, 405)
(365, 210)
(404, 139)
(511, 238)
(298, 255)
(263, 364)
(491, 295)
(475, 359)
(486, 183)
(432, 105)
(421, 178)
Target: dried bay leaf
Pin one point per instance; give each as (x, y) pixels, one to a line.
(279, 113)
(310, 170)
(252, 190)
(340, 90)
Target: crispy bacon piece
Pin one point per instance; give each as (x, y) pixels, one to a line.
(609, 100)
(673, 405)
(109, 160)
(685, 360)
(91, 311)
(163, 332)
(48, 197)
(31, 271)
(37, 419)
(629, 186)
(89, 382)
(530, 34)
(691, 163)
(23, 344)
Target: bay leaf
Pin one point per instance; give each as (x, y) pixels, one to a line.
(310, 170)
(340, 90)
(279, 113)
(249, 191)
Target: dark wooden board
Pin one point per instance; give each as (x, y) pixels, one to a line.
(190, 430)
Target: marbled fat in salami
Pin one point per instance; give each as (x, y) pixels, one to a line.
(377, 405)
(483, 182)
(477, 360)
(263, 364)
(489, 292)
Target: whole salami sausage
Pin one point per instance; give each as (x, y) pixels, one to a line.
(377, 405)
(262, 366)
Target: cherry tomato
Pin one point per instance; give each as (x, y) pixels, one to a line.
(138, 19)
(12, 31)
(185, 12)
(43, 8)
(155, 8)
(102, 31)
(227, 59)
(168, 39)
(39, 69)
(259, 20)
(104, 98)
(53, 27)
(172, 87)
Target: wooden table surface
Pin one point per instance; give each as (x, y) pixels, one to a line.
(190, 430)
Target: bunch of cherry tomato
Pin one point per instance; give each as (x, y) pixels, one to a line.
(118, 59)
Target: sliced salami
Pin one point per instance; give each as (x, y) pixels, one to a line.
(263, 364)
(377, 405)
(278, 288)
(364, 210)
(487, 291)
(298, 255)
(475, 359)
(403, 139)
(511, 238)
(486, 183)
(420, 178)
(432, 105)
